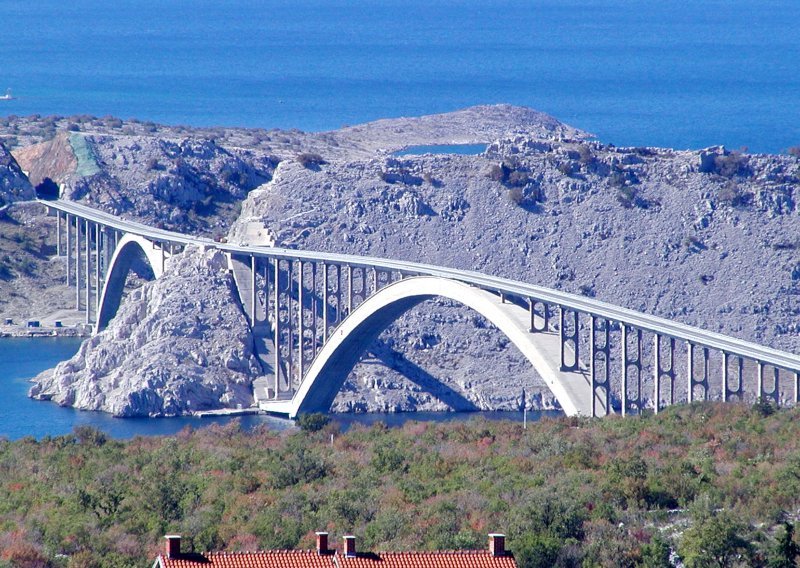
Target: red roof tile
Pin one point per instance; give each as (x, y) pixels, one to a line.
(438, 559)
(262, 559)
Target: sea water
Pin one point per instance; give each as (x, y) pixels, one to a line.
(24, 358)
(670, 73)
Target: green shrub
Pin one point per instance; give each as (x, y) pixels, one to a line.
(313, 422)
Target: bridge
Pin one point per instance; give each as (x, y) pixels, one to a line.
(313, 315)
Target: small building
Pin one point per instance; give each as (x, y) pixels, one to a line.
(495, 556)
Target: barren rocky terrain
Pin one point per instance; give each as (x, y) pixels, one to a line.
(708, 237)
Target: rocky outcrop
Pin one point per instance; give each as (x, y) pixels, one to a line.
(178, 345)
(190, 184)
(707, 238)
(14, 185)
(53, 159)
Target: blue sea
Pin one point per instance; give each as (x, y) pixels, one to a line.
(668, 72)
(24, 358)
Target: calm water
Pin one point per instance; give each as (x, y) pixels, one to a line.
(672, 73)
(22, 358)
(463, 149)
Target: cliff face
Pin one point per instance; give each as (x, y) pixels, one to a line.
(14, 185)
(177, 345)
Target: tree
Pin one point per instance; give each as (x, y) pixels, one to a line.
(313, 422)
(655, 554)
(713, 539)
(537, 550)
(786, 549)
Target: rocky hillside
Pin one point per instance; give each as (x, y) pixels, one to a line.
(178, 345)
(14, 185)
(189, 184)
(708, 237)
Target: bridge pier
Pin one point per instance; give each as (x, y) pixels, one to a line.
(58, 232)
(88, 266)
(77, 264)
(631, 359)
(68, 228)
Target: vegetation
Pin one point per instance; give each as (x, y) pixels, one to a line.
(20, 248)
(717, 484)
(310, 160)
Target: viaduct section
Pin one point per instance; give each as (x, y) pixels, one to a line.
(313, 314)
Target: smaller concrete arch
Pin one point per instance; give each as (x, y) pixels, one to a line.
(341, 352)
(129, 249)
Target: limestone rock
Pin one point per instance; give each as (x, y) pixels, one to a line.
(178, 345)
(14, 185)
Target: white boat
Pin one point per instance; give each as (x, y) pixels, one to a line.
(8, 96)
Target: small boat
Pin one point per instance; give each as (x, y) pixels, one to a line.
(8, 96)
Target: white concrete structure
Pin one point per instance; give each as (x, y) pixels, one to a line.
(341, 352)
(314, 314)
(127, 251)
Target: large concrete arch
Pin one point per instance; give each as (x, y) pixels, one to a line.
(342, 351)
(129, 249)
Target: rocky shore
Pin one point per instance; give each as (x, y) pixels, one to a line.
(706, 237)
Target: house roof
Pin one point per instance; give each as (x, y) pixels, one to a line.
(311, 559)
(262, 559)
(437, 559)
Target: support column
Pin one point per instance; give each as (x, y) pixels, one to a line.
(573, 337)
(88, 289)
(68, 227)
(276, 321)
(108, 246)
(760, 379)
(97, 285)
(629, 362)
(796, 388)
(300, 326)
(349, 289)
(324, 302)
(77, 264)
(532, 326)
(661, 371)
(600, 348)
(289, 334)
(338, 318)
(58, 232)
(690, 371)
(314, 307)
(253, 318)
(724, 377)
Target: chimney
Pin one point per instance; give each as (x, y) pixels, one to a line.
(173, 549)
(350, 546)
(497, 544)
(322, 543)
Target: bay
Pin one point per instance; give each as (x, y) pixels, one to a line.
(23, 358)
(669, 73)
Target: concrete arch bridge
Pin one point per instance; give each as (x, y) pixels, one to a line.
(313, 315)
